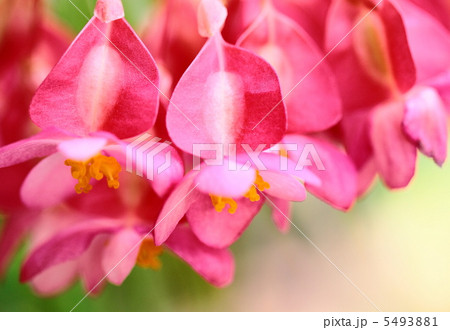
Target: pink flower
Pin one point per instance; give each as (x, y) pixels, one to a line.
(311, 96)
(99, 241)
(105, 87)
(224, 94)
(30, 44)
(389, 114)
(219, 202)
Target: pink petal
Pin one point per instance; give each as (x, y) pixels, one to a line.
(284, 186)
(90, 266)
(109, 10)
(39, 145)
(281, 213)
(366, 176)
(158, 162)
(269, 161)
(48, 183)
(211, 17)
(338, 184)
(220, 229)
(173, 36)
(372, 56)
(428, 40)
(175, 208)
(227, 180)
(355, 127)
(119, 256)
(400, 55)
(425, 122)
(67, 245)
(395, 155)
(82, 149)
(56, 279)
(215, 265)
(221, 99)
(440, 9)
(96, 86)
(442, 85)
(314, 104)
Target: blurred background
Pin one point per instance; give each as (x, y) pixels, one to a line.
(394, 245)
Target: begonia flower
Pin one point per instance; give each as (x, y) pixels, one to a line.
(99, 243)
(105, 87)
(311, 95)
(221, 200)
(224, 93)
(387, 118)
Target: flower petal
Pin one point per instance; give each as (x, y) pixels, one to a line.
(211, 17)
(220, 229)
(338, 184)
(48, 183)
(82, 149)
(215, 265)
(425, 122)
(395, 155)
(315, 104)
(109, 10)
(67, 245)
(175, 208)
(90, 266)
(55, 279)
(375, 56)
(281, 213)
(428, 40)
(284, 186)
(227, 180)
(119, 256)
(107, 80)
(227, 96)
(158, 162)
(39, 145)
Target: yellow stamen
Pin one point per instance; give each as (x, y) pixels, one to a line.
(97, 167)
(283, 153)
(219, 202)
(148, 255)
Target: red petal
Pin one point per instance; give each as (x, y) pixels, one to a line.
(228, 95)
(67, 245)
(428, 39)
(39, 145)
(314, 104)
(175, 208)
(220, 229)
(215, 265)
(96, 86)
(338, 178)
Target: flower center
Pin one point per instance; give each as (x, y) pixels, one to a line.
(148, 255)
(219, 202)
(97, 167)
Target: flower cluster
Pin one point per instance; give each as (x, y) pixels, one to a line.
(248, 102)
